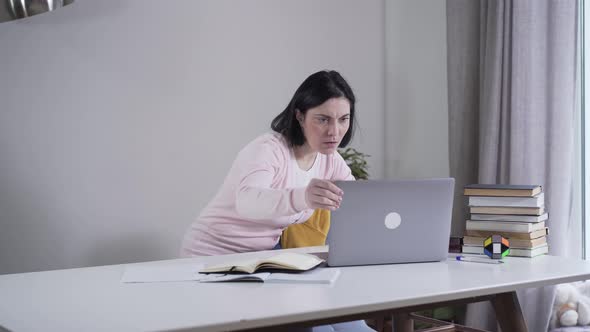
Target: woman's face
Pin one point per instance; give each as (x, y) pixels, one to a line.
(324, 126)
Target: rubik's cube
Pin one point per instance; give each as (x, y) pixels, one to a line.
(496, 247)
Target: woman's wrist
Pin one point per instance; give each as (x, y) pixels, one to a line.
(298, 199)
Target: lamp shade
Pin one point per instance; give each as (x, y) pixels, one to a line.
(16, 9)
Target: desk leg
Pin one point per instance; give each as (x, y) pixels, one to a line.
(403, 323)
(509, 313)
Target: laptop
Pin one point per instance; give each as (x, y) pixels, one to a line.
(386, 222)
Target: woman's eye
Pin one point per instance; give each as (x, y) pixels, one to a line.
(323, 120)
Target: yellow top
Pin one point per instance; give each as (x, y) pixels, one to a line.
(313, 232)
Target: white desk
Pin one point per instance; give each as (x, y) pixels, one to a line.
(94, 299)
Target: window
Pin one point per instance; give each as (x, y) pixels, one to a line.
(583, 134)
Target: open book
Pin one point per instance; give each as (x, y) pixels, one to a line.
(316, 276)
(288, 261)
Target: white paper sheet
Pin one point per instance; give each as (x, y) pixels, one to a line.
(315, 276)
(162, 273)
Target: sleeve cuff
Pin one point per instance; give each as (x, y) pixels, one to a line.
(298, 199)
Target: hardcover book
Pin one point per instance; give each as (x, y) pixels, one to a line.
(509, 235)
(504, 226)
(536, 201)
(514, 243)
(536, 211)
(514, 252)
(509, 217)
(501, 190)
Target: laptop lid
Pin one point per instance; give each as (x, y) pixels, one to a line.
(384, 222)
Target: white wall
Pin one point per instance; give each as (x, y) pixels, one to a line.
(416, 108)
(120, 118)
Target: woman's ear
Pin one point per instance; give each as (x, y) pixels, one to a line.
(299, 116)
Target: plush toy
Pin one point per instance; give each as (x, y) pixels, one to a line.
(572, 305)
(583, 303)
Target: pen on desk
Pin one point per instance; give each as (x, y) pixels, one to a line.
(479, 260)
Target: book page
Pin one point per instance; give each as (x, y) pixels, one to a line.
(290, 260)
(287, 260)
(248, 266)
(262, 276)
(316, 276)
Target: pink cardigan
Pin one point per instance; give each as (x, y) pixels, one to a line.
(258, 199)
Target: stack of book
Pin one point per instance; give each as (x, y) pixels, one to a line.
(516, 212)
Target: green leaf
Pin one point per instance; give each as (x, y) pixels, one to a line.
(356, 161)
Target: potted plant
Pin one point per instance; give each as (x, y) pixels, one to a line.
(356, 161)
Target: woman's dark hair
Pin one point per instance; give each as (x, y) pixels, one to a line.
(314, 91)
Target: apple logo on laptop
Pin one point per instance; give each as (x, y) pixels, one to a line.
(393, 220)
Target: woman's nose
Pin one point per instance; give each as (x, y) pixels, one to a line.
(333, 129)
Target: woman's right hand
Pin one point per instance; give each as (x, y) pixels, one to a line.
(323, 194)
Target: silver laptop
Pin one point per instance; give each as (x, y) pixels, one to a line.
(384, 222)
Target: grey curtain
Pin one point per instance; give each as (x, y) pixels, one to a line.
(512, 89)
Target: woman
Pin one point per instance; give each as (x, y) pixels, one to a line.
(280, 178)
